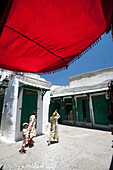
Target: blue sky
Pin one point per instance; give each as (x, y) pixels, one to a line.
(99, 57)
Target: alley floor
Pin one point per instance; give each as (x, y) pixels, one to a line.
(78, 149)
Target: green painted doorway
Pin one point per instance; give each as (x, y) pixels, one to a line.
(51, 108)
(62, 110)
(100, 109)
(83, 109)
(29, 104)
(68, 109)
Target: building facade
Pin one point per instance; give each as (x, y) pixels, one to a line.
(85, 101)
(25, 93)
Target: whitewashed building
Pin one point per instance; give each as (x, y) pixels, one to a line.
(26, 92)
(85, 101)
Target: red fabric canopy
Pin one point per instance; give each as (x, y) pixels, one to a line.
(41, 36)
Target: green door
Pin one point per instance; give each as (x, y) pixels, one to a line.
(51, 108)
(83, 109)
(80, 110)
(62, 110)
(1, 106)
(100, 109)
(29, 104)
(87, 110)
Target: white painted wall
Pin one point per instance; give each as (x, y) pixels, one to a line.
(8, 127)
(46, 102)
(39, 127)
(18, 133)
(4, 73)
(90, 79)
(11, 116)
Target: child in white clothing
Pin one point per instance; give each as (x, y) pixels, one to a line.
(24, 135)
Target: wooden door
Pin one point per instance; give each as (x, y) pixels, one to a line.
(100, 110)
(29, 105)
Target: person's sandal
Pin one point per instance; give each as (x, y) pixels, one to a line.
(49, 143)
(24, 152)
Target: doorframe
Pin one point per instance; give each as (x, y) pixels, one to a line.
(76, 97)
(22, 100)
(91, 106)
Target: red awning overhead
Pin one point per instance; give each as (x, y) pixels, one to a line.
(42, 36)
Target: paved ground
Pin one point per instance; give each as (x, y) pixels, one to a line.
(78, 149)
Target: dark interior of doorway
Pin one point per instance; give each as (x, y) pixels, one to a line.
(68, 109)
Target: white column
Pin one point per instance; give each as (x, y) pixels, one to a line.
(76, 108)
(46, 102)
(91, 111)
(39, 127)
(18, 134)
(8, 123)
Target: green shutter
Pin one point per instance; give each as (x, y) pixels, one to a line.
(51, 108)
(62, 109)
(80, 111)
(29, 104)
(100, 109)
(87, 110)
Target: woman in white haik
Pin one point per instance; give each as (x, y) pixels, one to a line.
(54, 136)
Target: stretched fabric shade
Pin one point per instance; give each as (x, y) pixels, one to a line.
(43, 36)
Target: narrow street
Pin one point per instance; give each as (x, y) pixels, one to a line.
(78, 149)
